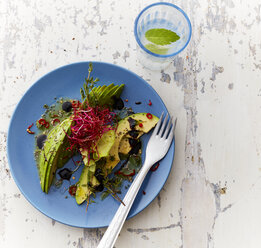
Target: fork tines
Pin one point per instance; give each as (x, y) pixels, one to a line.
(164, 127)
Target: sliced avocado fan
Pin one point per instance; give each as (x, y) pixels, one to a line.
(104, 95)
(87, 178)
(122, 130)
(50, 156)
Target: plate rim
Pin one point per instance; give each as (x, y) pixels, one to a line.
(35, 83)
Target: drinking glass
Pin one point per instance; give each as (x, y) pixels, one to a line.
(161, 16)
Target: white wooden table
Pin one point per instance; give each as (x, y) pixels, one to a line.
(213, 195)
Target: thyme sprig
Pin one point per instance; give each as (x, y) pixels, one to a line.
(87, 88)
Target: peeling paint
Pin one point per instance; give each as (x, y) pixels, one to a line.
(90, 238)
(165, 77)
(91, 23)
(145, 237)
(231, 86)
(126, 55)
(179, 71)
(39, 25)
(152, 229)
(252, 49)
(257, 66)
(215, 71)
(116, 55)
(258, 13)
(217, 192)
(159, 200)
(203, 87)
(226, 208)
(198, 205)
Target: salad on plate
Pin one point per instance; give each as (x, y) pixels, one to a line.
(99, 128)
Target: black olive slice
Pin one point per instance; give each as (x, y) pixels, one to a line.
(132, 123)
(135, 149)
(133, 133)
(65, 174)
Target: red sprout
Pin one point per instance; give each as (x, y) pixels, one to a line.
(89, 125)
(55, 120)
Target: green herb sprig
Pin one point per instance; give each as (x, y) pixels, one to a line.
(88, 86)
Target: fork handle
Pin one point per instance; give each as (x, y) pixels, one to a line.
(111, 234)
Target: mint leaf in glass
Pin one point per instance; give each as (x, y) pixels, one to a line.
(161, 36)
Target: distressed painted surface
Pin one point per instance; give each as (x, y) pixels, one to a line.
(213, 195)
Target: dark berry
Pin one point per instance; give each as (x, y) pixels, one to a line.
(98, 172)
(40, 140)
(135, 149)
(118, 103)
(65, 174)
(99, 188)
(100, 178)
(67, 106)
(133, 133)
(98, 175)
(133, 142)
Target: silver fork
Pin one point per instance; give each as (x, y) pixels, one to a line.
(157, 148)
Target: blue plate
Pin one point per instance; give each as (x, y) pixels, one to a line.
(66, 82)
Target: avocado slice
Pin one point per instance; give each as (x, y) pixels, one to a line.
(52, 149)
(118, 92)
(113, 92)
(101, 89)
(96, 93)
(123, 128)
(103, 94)
(124, 146)
(95, 89)
(103, 147)
(108, 95)
(87, 176)
(66, 154)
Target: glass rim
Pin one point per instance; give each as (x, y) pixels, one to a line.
(155, 54)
